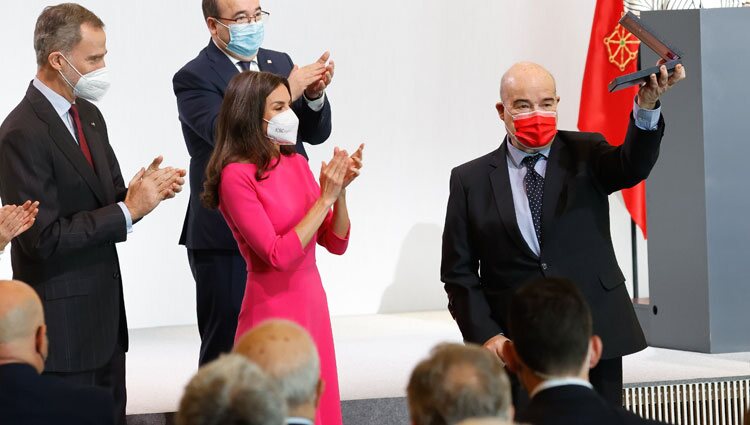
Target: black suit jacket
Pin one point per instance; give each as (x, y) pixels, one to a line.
(69, 255)
(29, 399)
(485, 258)
(575, 405)
(199, 87)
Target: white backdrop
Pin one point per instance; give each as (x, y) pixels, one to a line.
(415, 80)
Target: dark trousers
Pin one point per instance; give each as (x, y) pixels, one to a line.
(606, 378)
(220, 277)
(111, 377)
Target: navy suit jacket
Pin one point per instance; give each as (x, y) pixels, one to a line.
(575, 405)
(68, 256)
(30, 399)
(199, 87)
(485, 258)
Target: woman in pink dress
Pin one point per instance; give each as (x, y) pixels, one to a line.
(277, 213)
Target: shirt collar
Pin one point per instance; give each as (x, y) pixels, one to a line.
(298, 420)
(61, 104)
(517, 155)
(552, 383)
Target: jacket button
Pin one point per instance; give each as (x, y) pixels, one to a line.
(116, 275)
(544, 266)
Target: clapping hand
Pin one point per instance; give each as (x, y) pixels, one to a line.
(656, 86)
(16, 219)
(354, 166)
(332, 176)
(152, 185)
(178, 177)
(312, 79)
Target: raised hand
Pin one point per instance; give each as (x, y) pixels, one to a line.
(656, 86)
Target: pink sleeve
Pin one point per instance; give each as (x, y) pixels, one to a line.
(241, 207)
(329, 240)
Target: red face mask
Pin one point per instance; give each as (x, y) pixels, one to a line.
(535, 129)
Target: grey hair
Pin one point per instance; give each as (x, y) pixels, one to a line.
(231, 390)
(299, 385)
(458, 382)
(58, 29)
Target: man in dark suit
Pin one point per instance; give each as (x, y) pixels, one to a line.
(287, 354)
(538, 206)
(552, 350)
(54, 148)
(220, 273)
(25, 396)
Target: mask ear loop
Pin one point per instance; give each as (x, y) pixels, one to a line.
(226, 45)
(72, 86)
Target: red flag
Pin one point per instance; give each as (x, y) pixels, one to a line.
(613, 51)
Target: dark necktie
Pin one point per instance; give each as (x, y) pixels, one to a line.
(533, 182)
(81, 137)
(245, 65)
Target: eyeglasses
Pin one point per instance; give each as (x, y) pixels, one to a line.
(259, 16)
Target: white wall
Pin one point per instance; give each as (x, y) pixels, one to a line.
(417, 81)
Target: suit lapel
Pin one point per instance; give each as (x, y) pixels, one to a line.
(98, 151)
(500, 181)
(554, 181)
(65, 142)
(265, 64)
(224, 68)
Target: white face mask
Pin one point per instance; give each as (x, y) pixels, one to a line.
(92, 86)
(282, 128)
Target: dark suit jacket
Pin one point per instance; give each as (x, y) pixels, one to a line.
(485, 258)
(29, 399)
(575, 405)
(69, 255)
(199, 87)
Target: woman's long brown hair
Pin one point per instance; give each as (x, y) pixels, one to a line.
(239, 131)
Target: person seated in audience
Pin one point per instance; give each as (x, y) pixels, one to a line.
(26, 397)
(14, 220)
(552, 352)
(486, 421)
(231, 390)
(457, 382)
(286, 352)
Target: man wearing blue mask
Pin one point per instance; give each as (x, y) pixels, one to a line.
(237, 29)
(54, 148)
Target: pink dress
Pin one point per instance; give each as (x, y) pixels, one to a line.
(283, 279)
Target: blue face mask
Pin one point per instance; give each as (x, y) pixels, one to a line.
(245, 39)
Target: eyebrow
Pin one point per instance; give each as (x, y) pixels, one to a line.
(277, 102)
(243, 12)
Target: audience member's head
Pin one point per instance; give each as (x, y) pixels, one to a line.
(231, 390)
(458, 382)
(485, 421)
(23, 334)
(551, 329)
(285, 351)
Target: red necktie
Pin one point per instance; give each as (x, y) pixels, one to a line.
(81, 137)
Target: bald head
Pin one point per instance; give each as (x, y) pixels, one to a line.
(285, 351)
(525, 77)
(21, 311)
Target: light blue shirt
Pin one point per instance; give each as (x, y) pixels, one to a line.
(645, 119)
(62, 107)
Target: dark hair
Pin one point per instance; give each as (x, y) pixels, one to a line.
(458, 382)
(550, 325)
(58, 28)
(239, 130)
(210, 8)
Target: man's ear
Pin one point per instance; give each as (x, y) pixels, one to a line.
(595, 348)
(211, 24)
(512, 362)
(55, 61)
(500, 110)
(319, 391)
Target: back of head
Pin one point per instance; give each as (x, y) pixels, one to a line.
(550, 325)
(58, 29)
(285, 351)
(485, 421)
(458, 382)
(230, 391)
(23, 334)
